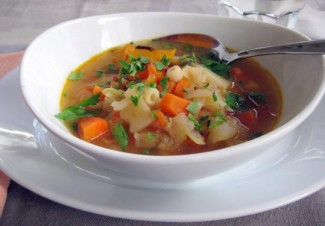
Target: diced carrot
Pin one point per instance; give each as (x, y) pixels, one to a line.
(152, 68)
(91, 127)
(127, 51)
(172, 105)
(159, 76)
(161, 118)
(97, 89)
(170, 86)
(180, 87)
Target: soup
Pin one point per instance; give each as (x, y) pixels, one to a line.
(166, 98)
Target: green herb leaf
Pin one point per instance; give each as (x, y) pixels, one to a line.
(188, 47)
(167, 45)
(197, 124)
(159, 66)
(187, 59)
(99, 73)
(153, 114)
(219, 119)
(146, 151)
(75, 76)
(193, 107)
(164, 84)
(236, 102)
(93, 100)
(121, 135)
(206, 85)
(214, 97)
(136, 64)
(79, 111)
(152, 136)
(111, 69)
(152, 85)
(135, 100)
(216, 66)
(166, 61)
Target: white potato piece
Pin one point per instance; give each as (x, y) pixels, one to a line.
(181, 127)
(146, 140)
(222, 132)
(138, 117)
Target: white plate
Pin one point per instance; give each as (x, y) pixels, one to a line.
(34, 158)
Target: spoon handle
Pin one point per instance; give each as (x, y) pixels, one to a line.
(306, 47)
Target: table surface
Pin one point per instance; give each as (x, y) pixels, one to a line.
(21, 21)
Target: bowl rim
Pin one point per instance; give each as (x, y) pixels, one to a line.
(170, 159)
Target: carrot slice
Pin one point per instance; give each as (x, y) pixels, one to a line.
(172, 105)
(91, 127)
(97, 89)
(180, 87)
(161, 118)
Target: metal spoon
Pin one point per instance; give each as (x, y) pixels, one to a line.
(217, 49)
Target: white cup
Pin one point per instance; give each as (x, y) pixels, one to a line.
(282, 12)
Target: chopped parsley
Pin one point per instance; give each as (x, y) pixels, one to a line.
(197, 124)
(236, 101)
(216, 66)
(135, 65)
(187, 59)
(163, 63)
(214, 97)
(121, 135)
(135, 100)
(75, 76)
(111, 69)
(188, 47)
(152, 136)
(78, 111)
(164, 84)
(218, 120)
(99, 73)
(193, 107)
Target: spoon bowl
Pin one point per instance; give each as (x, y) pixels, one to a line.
(219, 51)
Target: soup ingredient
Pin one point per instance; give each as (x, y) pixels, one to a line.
(173, 105)
(91, 127)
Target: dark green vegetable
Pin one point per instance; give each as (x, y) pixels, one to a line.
(121, 135)
(236, 102)
(216, 66)
(78, 111)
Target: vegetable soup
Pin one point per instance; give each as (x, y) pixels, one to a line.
(166, 98)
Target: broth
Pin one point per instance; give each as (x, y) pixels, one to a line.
(166, 98)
